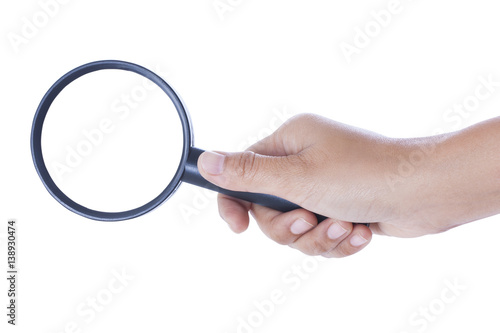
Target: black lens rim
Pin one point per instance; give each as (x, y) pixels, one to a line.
(36, 140)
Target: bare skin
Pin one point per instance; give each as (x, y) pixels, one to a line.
(402, 187)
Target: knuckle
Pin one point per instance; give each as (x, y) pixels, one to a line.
(282, 241)
(304, 117)
(318, 247)
(246, 164)
(305, 250)
(314, 247)
(278, 236)
(297, 123)
(298, 168)
(343, 251)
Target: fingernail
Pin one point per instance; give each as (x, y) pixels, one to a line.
(212, 163)
(300, 226)
(358, 240)
(335, 231)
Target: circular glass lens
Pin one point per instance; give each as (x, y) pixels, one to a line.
(112, 140)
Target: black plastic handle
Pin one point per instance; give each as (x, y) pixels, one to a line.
(192, 176)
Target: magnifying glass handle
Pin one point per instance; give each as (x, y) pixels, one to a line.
(192, 176)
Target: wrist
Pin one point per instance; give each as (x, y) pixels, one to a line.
(417, 179)
(448, 180)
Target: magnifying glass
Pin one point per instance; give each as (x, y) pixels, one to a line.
(186, 171)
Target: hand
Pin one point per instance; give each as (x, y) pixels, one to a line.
(339, 171)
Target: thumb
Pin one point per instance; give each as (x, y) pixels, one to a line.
(251, 172)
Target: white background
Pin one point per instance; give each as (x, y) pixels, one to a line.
(236, 71)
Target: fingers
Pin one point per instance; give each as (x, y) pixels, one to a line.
(324, 238)
(334, 239)
(298, 229)
(284, 228)
(234, 212)
(357, 240)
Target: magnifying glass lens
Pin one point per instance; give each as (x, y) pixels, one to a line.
(112, 140)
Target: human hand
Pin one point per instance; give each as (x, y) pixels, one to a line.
(337, 171)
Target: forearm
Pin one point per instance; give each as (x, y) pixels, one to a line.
(460, 180)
